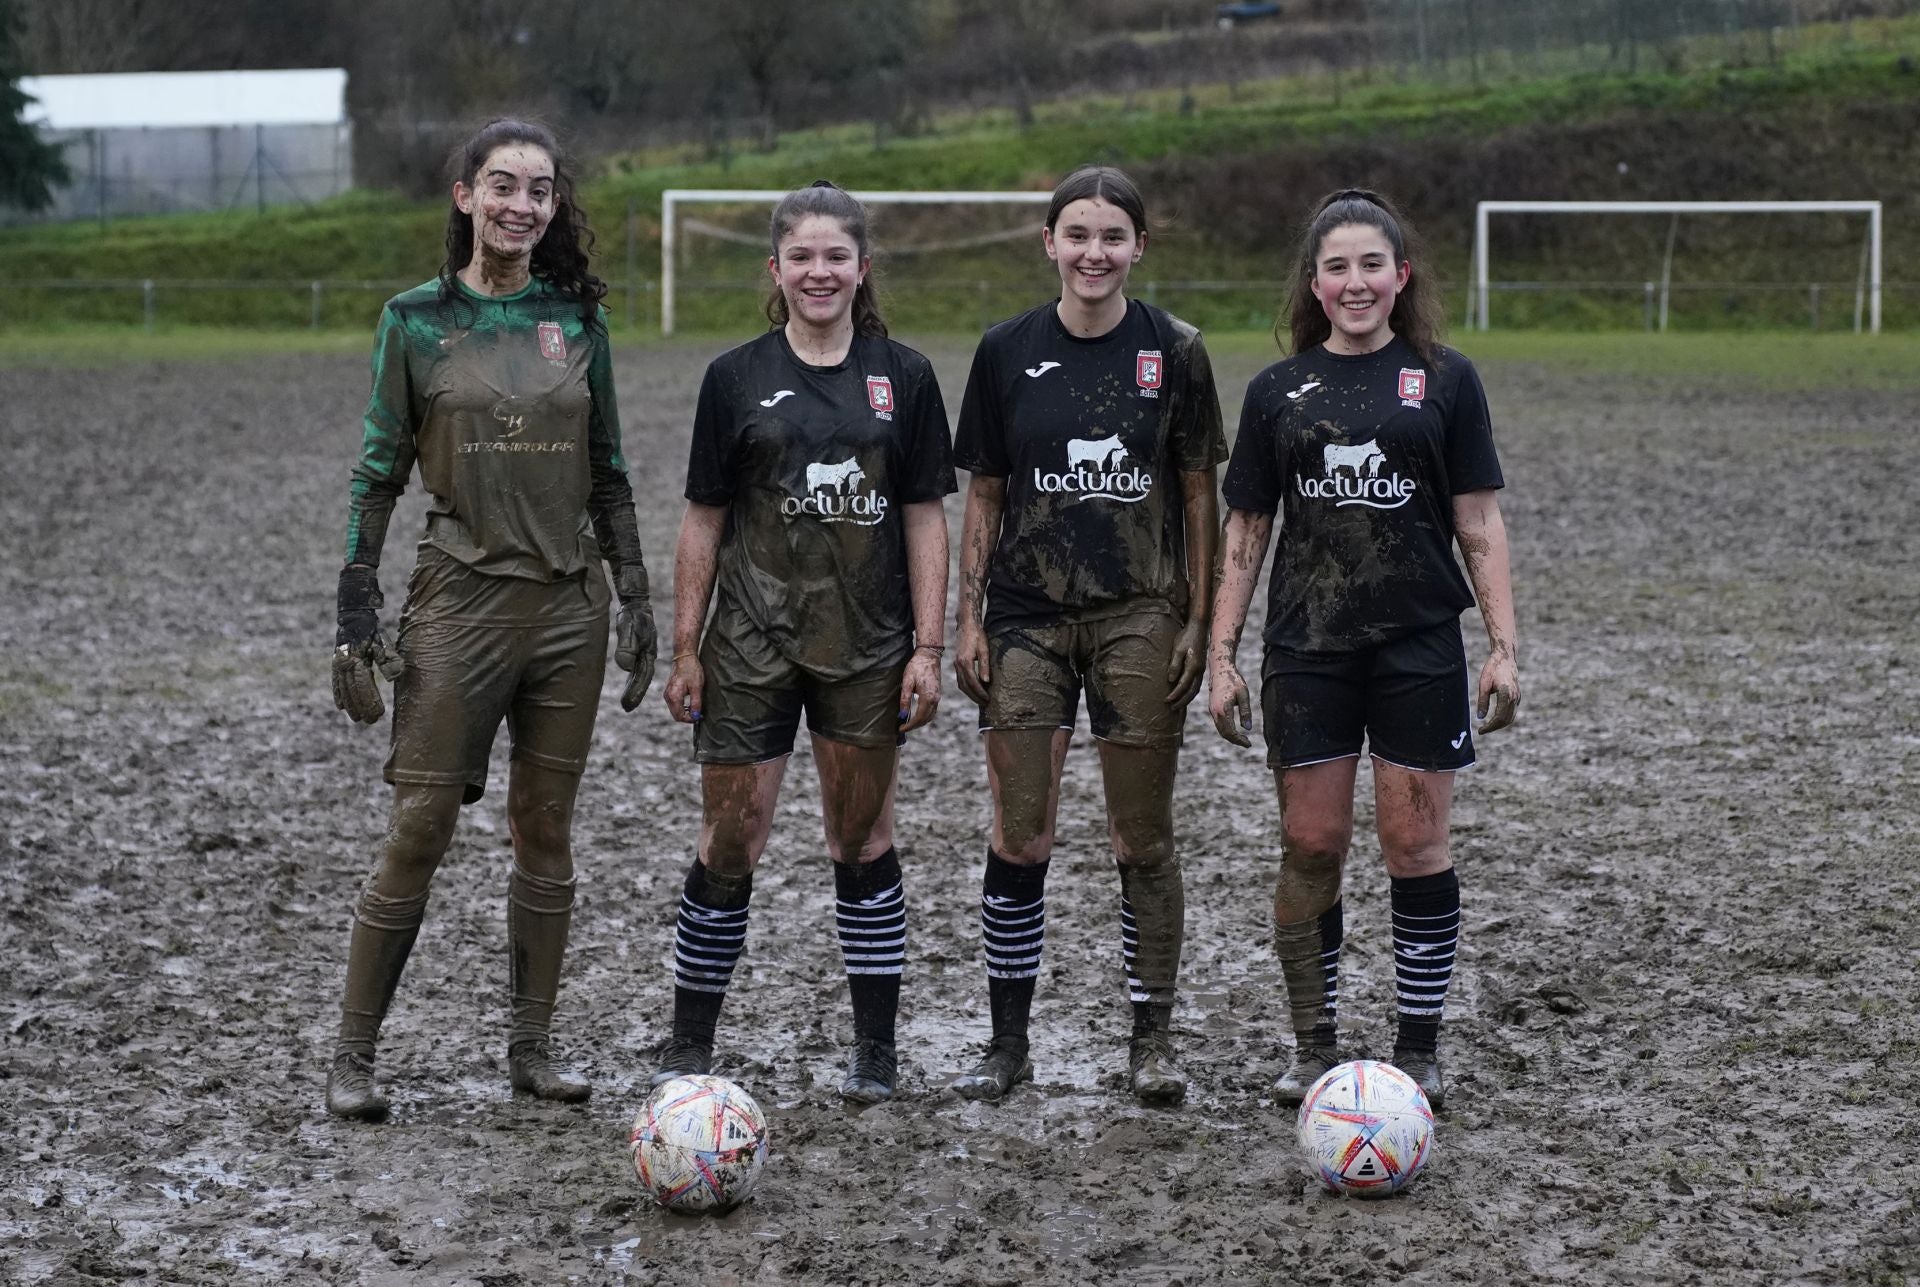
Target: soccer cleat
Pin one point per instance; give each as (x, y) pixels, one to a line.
(530, 1069)
(1005, 1067)
(350, 1089)
(683, 1057)
(1155, 1077)
(1309, 1062)
(1424, 1067)
(871, 1072)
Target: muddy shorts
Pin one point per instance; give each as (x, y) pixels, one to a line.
(480, 649)
(1405, 700)
(753, 697)
(1037, 673)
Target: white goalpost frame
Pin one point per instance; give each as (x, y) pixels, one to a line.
(1869, 208)
(673, 197)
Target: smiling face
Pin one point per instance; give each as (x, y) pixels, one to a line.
(818, 268)
(510, 202)
(1094, 245)
(1356, 279)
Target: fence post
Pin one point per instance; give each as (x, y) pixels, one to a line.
(1647, 293)
(314, 320)
(1813, 305)
(633, 265)
(146, 302)
(986, 306)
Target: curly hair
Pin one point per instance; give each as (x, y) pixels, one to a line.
(1416, 316)
(824, 197)
(563, 256)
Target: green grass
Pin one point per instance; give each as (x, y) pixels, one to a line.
(110, 346)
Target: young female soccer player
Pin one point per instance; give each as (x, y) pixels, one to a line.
(1375, 442)
(496, 380)
(1092, 431)
(820, 457)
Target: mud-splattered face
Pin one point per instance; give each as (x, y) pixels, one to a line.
(1094, 245)
(1356, 279)
(818, 268)
(510, 202)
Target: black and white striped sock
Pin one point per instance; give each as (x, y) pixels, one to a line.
(708, 939)
(1426, 932)
(1013, 926)
(1309, 953)
(871, 912)
(1153, 913)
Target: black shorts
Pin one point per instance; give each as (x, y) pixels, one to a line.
(1405, 701)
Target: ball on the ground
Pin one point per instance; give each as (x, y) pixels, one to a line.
(698, 1144)
(1367, 1128)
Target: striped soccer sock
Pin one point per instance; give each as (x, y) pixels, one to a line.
(1309, 953)
(707, 942)
(1153, 911)
(1013, 926)
(1426, 931)
(871, 911)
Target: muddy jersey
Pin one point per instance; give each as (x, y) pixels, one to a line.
(1091, 436)
(1362, 457)
(507, 406)
(813, 464)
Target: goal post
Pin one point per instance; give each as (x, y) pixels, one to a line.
(673, 198)
(1868, 290)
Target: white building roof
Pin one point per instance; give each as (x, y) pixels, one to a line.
(131, 100)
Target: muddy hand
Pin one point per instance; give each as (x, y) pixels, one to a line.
(919, 691)
(1499, 694)
(970, 667)
(354, 689)
(636, 644)
(1187, 664)
(684, 684)
(1230, 706)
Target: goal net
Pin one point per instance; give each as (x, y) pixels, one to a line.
(940, 258)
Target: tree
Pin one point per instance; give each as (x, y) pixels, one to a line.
(29, 165)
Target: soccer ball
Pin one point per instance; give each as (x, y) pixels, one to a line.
(698, 1144)
(1367, 1127)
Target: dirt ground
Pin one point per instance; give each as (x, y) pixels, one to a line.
(1681, 1041)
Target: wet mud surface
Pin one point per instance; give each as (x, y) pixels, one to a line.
(1681, 1040)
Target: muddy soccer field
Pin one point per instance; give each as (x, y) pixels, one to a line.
(1681, 1040)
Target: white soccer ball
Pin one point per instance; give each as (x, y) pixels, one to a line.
(1367, 1127)
(698, 1144)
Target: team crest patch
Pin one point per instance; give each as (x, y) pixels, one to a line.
(1146, 372)
(1413, 387)
(553, 342)
(880, 396)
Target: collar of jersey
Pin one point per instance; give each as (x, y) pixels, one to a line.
(1378, 355)
(1060, 327)
(533, 285)
(787, 348)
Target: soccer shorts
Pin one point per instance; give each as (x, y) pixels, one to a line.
(1037, 673)
(1406, 701)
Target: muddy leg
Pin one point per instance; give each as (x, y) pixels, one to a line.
(539, 914)
(1316, 828)
(1414, 809)
(1153, 908)
(856, 804)
(385, 923)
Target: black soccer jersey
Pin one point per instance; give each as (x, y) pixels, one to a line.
(1363, 457)
(1091, 435)
(814, 464)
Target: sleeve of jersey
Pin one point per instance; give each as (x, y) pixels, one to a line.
(1199, 440)
(386, 446)
(929, 472)
(1472, 463)
(1253, 480)
(980, 445)
(610, 498)
(709, 476)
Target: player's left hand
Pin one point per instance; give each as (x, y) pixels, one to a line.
(919, 689)
(1188, 663)
(1498, 696)
(636, 645)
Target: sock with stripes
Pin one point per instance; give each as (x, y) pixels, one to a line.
(1013, 925)
(1309, 953)
(1426, 930)
(871, 911)
(707, 943)
(1153, 922)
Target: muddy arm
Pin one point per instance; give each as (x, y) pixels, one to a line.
(1482, 536)
(1200, 495)
(926, 532)
(1243, 549)
(695, 561)
(979, 534)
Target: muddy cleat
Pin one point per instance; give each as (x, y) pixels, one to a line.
(530, 1068)
(683, 1057)
(1005, 1067)
(1309, 1062)
(351, 1092)
(1424, 1067)
(1155, 1077)
(871, 1073)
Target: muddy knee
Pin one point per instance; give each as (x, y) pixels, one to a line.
(542, 837)
(1024, 833)
(1309, 877)
(419, 832)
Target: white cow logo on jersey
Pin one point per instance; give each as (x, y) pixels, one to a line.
(1096, 470)
(834, 495)
(1353, 478)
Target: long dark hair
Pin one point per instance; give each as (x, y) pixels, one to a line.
(1103, 183)
(563, 256)
(1416, 316)
(827, 198)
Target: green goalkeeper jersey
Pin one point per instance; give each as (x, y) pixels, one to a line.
(507, 405)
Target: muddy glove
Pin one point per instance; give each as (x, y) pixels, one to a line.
(359, 647)
(636, 643)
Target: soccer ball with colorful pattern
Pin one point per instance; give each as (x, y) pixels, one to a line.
(698, 1144)
(1367, 1128)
